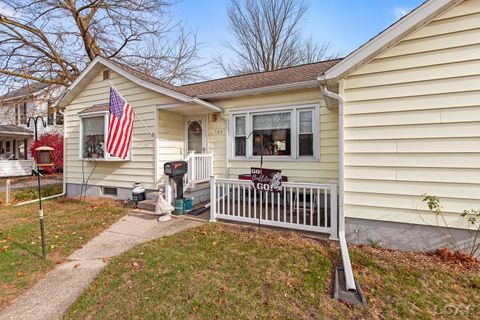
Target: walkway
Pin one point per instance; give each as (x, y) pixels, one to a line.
(51, 297)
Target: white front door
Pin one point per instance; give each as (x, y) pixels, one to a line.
(196, 135)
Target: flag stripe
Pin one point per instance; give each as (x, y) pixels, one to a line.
(120, 125)
(123, 151)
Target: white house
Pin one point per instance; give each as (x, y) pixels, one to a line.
(16, 107)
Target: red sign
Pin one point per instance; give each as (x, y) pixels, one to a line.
(266, 179)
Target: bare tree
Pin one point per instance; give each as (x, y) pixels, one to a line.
(267, 36)
(51, 41)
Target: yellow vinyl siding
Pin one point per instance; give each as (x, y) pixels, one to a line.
(412, 123)
(109, 173)
(170, 139)
(323, 170)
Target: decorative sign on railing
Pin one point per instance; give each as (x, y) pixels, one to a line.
(266, 179)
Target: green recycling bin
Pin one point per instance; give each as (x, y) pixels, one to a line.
(179, 206)
(188, 205)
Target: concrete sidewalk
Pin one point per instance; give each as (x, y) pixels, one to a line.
(51, 297)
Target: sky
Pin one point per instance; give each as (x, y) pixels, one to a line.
(345, 25)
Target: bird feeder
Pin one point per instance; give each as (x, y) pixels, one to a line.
(44, 159)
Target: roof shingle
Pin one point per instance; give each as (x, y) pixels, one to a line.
(296, 74)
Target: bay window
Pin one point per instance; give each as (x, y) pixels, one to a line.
(288, 132)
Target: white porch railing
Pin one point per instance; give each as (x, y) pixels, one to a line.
(200, 168)
(302, 206)
(15, 168)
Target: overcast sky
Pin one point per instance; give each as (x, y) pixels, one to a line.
(342, 23)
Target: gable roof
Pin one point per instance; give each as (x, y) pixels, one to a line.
(388, 38)
(133, 75)
(268, 79)
(29, 89)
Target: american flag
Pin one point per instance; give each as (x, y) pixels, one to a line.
(120, 127)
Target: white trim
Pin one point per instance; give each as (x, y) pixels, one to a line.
(203, 120)
(12, 134)
(162, 90)
(389, 36)
(293, 109)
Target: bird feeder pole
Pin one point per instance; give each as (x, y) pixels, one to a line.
(42, 224)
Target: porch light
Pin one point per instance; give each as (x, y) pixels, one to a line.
(44, 159)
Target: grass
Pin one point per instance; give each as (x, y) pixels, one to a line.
(222, 272)
(20, 195)
(69, 224)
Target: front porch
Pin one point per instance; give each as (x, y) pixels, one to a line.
(14, 158)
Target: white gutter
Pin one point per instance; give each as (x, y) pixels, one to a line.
(347, 266)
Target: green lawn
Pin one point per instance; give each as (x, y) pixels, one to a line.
(69, 224)
(221, 272)
(20, 195)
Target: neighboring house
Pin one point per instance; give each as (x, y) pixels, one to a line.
(15, 136)
(398, 117)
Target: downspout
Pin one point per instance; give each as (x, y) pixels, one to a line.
(347, 266)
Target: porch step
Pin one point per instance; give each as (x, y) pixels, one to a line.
(199, 193)
(148, 205)
(152, 196)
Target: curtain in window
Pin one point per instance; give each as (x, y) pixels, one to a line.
(271, 121)
(93, 137)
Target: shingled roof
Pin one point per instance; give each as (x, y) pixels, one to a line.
(301, 73)
(11, 129)
(31, 88)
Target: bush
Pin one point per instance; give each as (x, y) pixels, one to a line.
(55, 141)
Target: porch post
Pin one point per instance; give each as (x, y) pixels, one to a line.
(333, 212)
(213, 198)
(168, 189)
(193, 162)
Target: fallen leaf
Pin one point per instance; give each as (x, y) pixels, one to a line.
(77, 266)
(20, 274)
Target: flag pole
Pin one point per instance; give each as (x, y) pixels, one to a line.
(136, 115)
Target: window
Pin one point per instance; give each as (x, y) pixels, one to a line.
(107, 191)
(305, 133)
(22, 149)
(106, 74)
(50, 114)
(240, 137)
(275, 128)
(59, 117)
(21, 114)
(54, 116)
(290, 132)
(93, 137)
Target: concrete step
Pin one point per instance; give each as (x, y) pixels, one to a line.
(147, 205)
(152, 195)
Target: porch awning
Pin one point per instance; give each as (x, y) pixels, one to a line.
(196, 108)
(14, 131)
